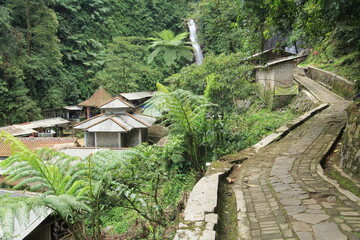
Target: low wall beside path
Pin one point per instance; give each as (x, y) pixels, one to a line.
(338, 84)
(350, 147)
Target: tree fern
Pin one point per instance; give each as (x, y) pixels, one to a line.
(186, 115)
(61, 180)
(171, 47)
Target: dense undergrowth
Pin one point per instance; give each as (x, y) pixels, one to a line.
(211, 110)
(346, 66)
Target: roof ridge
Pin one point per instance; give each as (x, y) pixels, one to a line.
(97, 97)
(96, 116)
(120, 124)
(121, 100)
(147, 125)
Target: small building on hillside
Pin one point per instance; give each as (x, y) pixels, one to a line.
(41, 128)
(276, 79)
(268, 55)
(92, 104)
(117, 127)
(70, 113)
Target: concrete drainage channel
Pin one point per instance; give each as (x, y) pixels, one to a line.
(227, 227)
(214, 210)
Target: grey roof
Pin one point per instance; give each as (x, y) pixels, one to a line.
(90, 121)
(21, 231)
(75, 108)
(44, 123)
(281, 60)
(28, 127)
(145, 118)
(109, 125)
(116, 103)
(116, 123)
(136, 95)
(17, 131)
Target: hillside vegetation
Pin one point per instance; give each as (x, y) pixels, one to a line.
(57, 52)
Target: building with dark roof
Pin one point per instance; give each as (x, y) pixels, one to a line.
(100, 97)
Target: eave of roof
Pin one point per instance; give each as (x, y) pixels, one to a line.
(137, 95)
(87, 120)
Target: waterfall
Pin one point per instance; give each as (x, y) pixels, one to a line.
(196, 46)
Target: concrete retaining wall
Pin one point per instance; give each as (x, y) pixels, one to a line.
(336, 83)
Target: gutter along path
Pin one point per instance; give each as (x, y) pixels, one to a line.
(281, 192)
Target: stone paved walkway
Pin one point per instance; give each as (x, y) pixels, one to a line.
(284, 193)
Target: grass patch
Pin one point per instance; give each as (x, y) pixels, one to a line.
(344, 182)
(250, 128)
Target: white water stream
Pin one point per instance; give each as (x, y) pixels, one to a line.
(196, 46)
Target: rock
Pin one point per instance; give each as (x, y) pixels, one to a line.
(292, 210)
(304, 235)
(109, 229)
(328, 231)
(291, 202)
(331, 199)
(301, 227)
(311, 218)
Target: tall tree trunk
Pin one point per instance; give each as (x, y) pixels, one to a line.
(28, 25)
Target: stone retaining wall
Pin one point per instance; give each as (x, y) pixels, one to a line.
(350, 147)
(336, 83)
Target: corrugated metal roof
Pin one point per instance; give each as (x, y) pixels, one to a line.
(36, 143)
(137, 95)
(100, 97)
(17, 131)
(44, 123)
(28, 127)
(116, 103)
(284, 59)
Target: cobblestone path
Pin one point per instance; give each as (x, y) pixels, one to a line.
(284, 192)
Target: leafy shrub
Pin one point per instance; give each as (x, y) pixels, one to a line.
(222, 78)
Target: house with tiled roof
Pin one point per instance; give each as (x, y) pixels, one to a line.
(117, 127)
(100, 97)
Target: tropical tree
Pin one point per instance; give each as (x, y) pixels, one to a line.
(81, 191)
(172, 48)
(60, 180)
(125, 69)
(185, 112)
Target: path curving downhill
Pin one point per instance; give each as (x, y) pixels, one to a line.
(282, 188)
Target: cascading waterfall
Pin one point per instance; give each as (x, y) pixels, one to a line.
(196, 46)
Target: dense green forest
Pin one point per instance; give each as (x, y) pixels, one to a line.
(57, 52)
